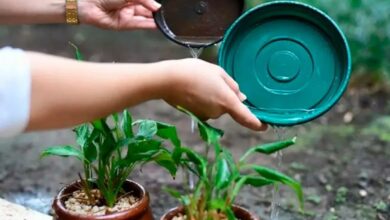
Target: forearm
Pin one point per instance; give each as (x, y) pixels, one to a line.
(67, 92)
(32, 11)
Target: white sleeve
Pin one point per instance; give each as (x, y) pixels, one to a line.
(15, 91)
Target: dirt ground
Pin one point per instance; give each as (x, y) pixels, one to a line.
(342, 159)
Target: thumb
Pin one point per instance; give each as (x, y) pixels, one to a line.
(241, 114)
(150, 4)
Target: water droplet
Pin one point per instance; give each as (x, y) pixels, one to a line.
(195, 52)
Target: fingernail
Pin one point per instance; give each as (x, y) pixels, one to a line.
(242, 97)
(157, 5)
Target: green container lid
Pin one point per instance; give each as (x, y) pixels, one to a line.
(290, 59)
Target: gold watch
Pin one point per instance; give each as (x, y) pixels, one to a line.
(71, 12)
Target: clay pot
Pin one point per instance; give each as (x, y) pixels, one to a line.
(141, 211)
(240, 213)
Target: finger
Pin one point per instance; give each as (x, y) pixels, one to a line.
(150, 4)
(241, 114)
(142, 11)
(232, 84)
(139, 22)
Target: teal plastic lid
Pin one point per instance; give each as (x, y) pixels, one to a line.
(290, 59)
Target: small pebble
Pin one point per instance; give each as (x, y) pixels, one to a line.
(95, 209)
(363, 193)
(348, 117)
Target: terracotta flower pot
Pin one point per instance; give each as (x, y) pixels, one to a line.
(240, 213)
(141, 211)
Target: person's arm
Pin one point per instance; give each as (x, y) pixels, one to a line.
(112, 14)
(67, 92)
(32, 12)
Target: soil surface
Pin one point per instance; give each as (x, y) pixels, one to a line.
(80, 204)
(342, 159)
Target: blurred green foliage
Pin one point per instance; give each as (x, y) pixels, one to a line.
(366, 24)
(379, 128)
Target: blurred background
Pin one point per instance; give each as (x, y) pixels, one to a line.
(342, 159)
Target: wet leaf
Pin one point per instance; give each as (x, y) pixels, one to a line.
(223, 175)
(268, 148)
(258, 181)
(282, 178)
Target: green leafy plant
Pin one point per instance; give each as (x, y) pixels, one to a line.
(220, 178)
(109, 154)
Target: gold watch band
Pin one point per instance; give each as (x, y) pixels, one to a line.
(71, 12)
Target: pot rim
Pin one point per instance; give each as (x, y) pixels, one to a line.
(236, 208)
(138, 209)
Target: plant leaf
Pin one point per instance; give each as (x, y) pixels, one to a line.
(274, 147)
(63, 151)
(257, 181)
(207, 132)
(230, 214)
(126, 142)
(217, 204)
(147, 128)
(223, 175)
(233, 167)
(82, 134)
(142, 151)
(165, 160)
(127, 124)
(89, 150)
(282, 178)
(169, 132)
(268, 148)
(85, 140)
(78, 54)
(198, 160)
(237, 188)
(174, 193)
(97, 124)
(107, 143)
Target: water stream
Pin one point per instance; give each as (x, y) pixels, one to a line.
(280, 133)
(195, 53)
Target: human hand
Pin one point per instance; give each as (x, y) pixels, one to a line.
(118, 14)
(207, 91)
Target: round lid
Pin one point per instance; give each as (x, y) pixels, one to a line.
(290, 59)
(197, 23)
